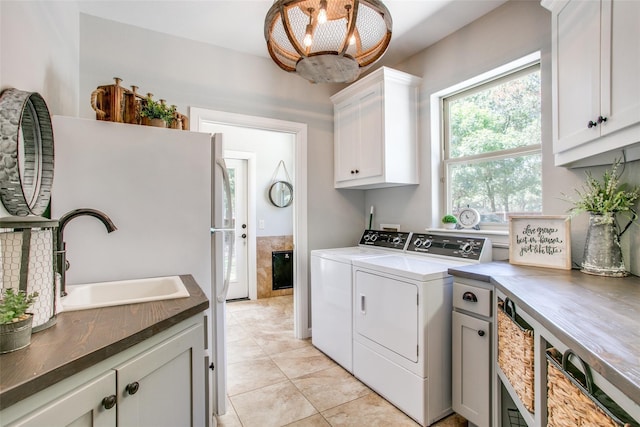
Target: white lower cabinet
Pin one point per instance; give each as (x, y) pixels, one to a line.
(159, 382)
(81, 407)
(471, 351)
(471, 368)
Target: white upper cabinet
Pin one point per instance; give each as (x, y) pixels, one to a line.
(376, 131)
(596, 80)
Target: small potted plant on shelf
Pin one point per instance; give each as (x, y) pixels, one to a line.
(449, 221)
(15, 322)
(158, 113)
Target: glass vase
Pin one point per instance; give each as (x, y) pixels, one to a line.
(602, 252)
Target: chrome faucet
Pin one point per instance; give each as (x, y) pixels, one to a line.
(61, 252)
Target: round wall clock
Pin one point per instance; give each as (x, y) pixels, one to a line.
(469, 218)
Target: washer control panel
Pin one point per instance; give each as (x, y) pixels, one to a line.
(385, 239)
(473, 248)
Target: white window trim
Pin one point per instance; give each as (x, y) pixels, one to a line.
(437, 123)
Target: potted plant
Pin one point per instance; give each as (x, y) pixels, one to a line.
(449, 221)
(604, 200)
(158, 112)
(15, 322)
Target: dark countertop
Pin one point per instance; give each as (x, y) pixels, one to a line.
(597, 317)
(80, 339)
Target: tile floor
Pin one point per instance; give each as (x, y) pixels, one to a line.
(277, 380)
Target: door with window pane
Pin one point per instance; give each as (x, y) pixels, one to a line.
(239, 283)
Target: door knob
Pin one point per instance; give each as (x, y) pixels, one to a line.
(481, 333)
(244, 225)
(109, 401)
(133, 387)
(244, 236)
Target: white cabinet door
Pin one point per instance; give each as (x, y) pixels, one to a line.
(346, 140)
(471, 368)
(359, 136)
(620, 65)
(164, 386)
(370, 150)
(83, 407)
(577, 66)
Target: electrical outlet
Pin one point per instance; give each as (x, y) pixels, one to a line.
(261, 224)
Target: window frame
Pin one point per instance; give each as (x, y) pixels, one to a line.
(508, 72)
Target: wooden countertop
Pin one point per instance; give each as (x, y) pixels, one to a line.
(80, 339)
(597, 317)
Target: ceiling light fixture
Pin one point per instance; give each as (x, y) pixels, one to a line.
(327, 41)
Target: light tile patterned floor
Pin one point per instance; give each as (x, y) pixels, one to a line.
(276, 380)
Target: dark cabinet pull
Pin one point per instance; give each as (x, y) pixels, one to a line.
(469, 296)
(352, 172)
(109, 402)
(244, 235)
(132, 388)
(592, 124)
(357, 171)
(601, 119)
(481, 333)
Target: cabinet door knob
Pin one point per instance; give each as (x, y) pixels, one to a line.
(601, 119)
(592, 124)
(481, 333)
(109, 402)
(132, 388)
(357, 171)
(352, 172)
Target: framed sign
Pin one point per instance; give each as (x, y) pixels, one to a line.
(540, 241)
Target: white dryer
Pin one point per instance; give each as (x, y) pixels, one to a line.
(402, 322)
(332, 291)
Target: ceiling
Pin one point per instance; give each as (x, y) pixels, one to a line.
(239, 24)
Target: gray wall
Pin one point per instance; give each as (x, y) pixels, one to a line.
(510, 32)
(49, 48)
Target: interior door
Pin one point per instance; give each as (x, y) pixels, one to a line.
(222, 248)
(239, 280)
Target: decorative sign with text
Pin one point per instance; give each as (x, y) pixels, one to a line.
(540, 241)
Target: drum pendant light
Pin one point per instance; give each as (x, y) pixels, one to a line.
(327, 41)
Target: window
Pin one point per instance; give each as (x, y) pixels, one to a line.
(492, 147)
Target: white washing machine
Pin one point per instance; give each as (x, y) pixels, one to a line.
(402, 322)
(332, 291)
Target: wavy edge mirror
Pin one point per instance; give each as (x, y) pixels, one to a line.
(26, 152)
(278, 196)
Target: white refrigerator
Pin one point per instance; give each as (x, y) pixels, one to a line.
(167, 192)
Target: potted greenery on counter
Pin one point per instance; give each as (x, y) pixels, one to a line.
(449, 221)
(15, 322)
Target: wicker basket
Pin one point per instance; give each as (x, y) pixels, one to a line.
(574, 401)
(515, 351)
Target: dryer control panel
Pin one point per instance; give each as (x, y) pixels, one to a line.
(385, 239)
(472, 248)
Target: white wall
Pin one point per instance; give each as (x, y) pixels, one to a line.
(512, 31)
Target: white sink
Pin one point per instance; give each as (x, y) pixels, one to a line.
(105, 294)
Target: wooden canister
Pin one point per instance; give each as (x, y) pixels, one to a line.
(108, 102)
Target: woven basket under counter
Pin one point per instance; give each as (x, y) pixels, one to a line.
(516, 352)
(574, 401)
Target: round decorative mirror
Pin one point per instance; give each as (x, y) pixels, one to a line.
(26, 152)
(281, 194)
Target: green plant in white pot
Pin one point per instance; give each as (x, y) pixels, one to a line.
(449, 221)
(15, 322)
